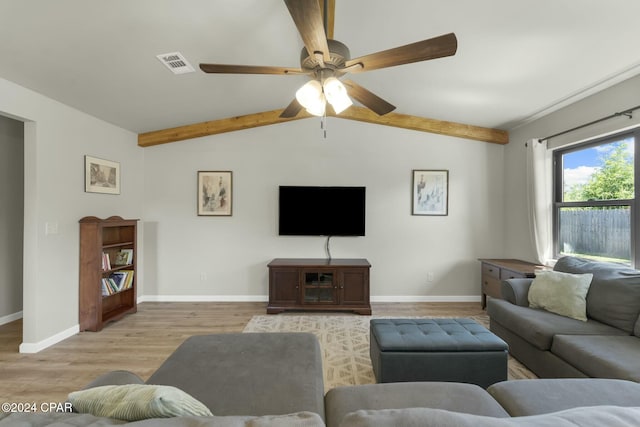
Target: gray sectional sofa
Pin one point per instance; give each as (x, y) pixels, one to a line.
(271, 379)
(606, 345)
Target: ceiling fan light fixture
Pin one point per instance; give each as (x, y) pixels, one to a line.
(318, 108)
(310, 94)
(311, 97)
(314, 95)
(336, 94)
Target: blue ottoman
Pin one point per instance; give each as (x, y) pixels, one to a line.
(458, 350)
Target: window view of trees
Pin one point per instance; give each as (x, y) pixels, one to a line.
(613, 181)
(595, 195)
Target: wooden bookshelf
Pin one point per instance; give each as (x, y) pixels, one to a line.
(101, 239)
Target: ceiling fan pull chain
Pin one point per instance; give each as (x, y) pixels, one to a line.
(323, 125)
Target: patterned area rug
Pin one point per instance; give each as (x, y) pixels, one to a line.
(344, 341)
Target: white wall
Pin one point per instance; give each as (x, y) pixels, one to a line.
(56, 139)
(159, 186)
(615, 99)
(232, 252)
(11, 213)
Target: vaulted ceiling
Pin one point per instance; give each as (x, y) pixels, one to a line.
(516, 61)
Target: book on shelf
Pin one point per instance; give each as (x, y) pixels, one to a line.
(124, 257)
(128, 283)
(105, 287)
(106, 262)
(109, 286)
(117, 281)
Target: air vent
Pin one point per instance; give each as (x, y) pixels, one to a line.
(176, 63)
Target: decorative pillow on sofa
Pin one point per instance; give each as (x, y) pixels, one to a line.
(133, 402)
(561, 293)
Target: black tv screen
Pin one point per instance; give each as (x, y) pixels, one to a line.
(321, 211)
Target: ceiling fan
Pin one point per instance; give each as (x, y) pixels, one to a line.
(326, 61)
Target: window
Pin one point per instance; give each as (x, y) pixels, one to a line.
(595, 202)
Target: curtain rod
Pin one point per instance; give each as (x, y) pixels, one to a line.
(627, 112)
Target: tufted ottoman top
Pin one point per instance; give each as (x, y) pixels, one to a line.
(434, 335)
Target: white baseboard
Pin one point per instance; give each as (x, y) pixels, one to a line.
(426, 298)
(10, 318)
(41, 345)
(265, 298)
(203, 298)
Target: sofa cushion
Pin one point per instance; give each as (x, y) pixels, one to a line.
(601, 356)
(538, 327)
(56, 419)
(516, 290)
(561, 293)
(134, 402)
(541, 396)
(598, 416)
(59, 419)
(614, 295)
(248, 373)
(466, 398)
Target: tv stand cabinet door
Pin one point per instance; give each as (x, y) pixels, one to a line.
(284, 286)
(319, 286)
(354, 286)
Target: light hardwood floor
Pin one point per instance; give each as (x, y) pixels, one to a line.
(141, 342)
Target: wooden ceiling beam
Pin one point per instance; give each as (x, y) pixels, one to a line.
(214, 127)
(422, 124)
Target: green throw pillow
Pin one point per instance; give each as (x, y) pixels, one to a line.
(561, 293)
(134, 402)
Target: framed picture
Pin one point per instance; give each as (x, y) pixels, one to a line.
(101, 176)
(430, 192)
(215, 193)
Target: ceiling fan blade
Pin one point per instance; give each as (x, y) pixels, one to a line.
(292, 110)
(328, 9)
(308, 19)
(249, 69)
(436, 47)
(367, 98)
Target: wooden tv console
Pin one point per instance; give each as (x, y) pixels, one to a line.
(314, 284)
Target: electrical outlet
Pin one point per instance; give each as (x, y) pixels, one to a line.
(203, 276)
(430, 276)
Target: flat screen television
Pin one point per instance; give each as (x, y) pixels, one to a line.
(321, 211)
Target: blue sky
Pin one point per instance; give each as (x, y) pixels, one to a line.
(588, 157)
(580, 165)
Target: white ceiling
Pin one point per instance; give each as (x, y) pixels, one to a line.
(516, 59)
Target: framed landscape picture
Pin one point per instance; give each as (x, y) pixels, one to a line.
(215, 193)
(430, 192)
(101, 176)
